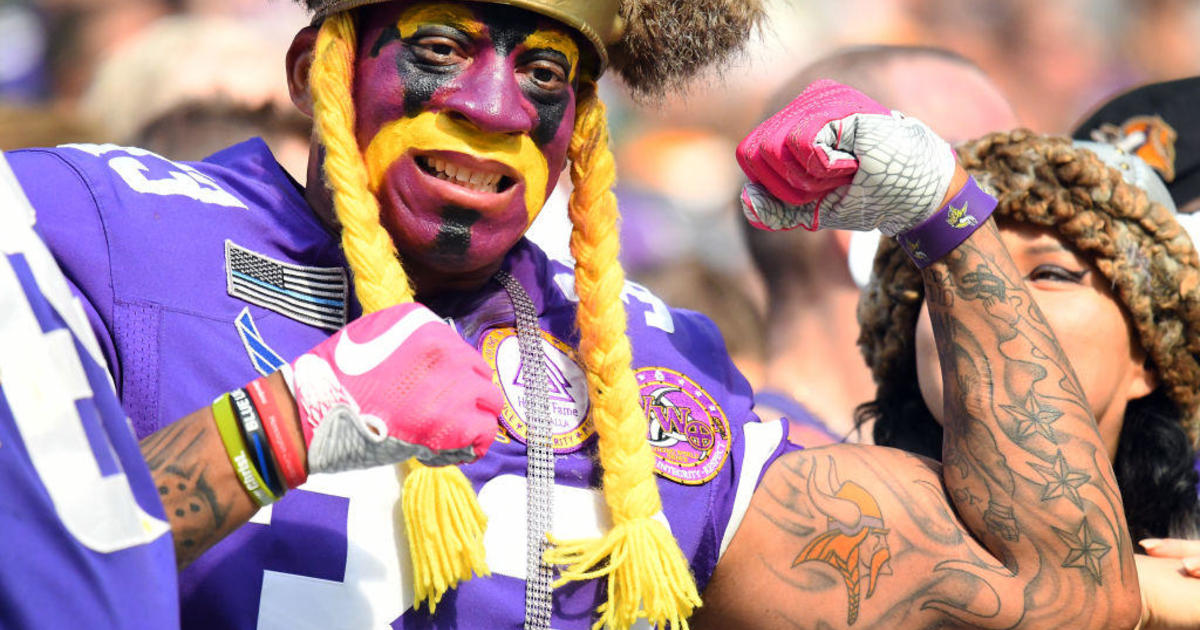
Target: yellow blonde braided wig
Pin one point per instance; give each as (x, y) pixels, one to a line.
(647, 573)
(1135, 243)
(442, 516)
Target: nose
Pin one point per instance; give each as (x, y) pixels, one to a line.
(490, 98)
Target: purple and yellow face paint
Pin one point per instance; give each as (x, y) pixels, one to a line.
(464, 115)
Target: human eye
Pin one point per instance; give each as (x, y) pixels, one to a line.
(438, 49)
(546, 74)
(1056, 273)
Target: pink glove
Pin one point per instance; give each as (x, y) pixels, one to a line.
(393, 385)
(782, 154)
(834, 158)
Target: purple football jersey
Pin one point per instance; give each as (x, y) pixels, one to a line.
(84, 539)
(201, 276)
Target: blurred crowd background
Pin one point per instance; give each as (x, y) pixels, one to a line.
(187, 77)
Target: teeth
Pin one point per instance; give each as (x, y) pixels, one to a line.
(479, 181)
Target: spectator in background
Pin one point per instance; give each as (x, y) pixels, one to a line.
(813, 372)
(80, 33)
(164, 93)
(28, 126)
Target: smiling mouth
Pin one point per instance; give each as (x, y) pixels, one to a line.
(469, 177)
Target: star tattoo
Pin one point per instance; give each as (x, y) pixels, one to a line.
(1085, 549)
(1034, 417)
(1061, 480)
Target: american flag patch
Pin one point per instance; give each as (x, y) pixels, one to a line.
(312, 295)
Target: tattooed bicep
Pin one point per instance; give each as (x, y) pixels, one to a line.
(849, 536)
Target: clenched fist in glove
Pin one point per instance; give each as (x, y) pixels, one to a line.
(394, 384)
(834, 158)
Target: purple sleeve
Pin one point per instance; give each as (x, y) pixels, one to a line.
(93, 546)
(69, 222)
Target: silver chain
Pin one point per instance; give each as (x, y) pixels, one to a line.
(540, 465)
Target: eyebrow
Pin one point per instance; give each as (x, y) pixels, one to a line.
(556, 42)
(1047, 248)
(456, 17)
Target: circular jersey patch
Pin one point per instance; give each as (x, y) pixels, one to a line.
(569, 404)
(687, 429)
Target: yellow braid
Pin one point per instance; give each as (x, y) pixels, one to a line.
(441, 514)
(648, 575)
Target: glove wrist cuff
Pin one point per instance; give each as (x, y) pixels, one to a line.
(952, 224)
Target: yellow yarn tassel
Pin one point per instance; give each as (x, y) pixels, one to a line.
(441, 513)
(648, 575)
(450, 532)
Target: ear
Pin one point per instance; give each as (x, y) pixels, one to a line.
(299, 61)
(1143, 380)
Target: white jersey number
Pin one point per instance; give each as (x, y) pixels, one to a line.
(133, 165)
(44, 380)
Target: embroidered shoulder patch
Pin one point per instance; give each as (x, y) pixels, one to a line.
(265, 360)
(687, 429)
(569, 404)
(313, 295)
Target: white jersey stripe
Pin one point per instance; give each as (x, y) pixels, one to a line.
(762, 438)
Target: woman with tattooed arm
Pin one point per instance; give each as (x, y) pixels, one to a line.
(1092, 232)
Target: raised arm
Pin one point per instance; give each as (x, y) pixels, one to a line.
(1023, 527)
(1024, 462)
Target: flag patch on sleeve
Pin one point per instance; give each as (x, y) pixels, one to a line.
(313, 295)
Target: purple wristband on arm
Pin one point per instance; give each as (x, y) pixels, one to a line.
(948, 227)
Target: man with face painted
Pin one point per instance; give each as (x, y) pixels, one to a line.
(626, 434)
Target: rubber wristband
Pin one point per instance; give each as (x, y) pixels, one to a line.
(949, 226)
(256, 441)
(291, 466)
(235, 447)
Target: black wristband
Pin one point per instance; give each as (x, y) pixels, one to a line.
(256, 440)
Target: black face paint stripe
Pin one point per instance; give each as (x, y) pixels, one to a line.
(508, 27)
(389, 35)
(550, 116)
(454, 236)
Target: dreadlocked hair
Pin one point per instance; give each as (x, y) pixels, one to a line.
(648, 575)
(441, 513)
(1153, 268)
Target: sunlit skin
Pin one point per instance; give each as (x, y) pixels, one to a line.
(1090, 324)
(449, 86)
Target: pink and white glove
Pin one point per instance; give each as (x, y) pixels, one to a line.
(835, 159)
(392, 385)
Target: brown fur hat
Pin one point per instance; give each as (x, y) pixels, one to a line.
(667, 42)
(656, 46)
(1135, 243)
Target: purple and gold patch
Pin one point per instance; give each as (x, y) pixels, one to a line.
(687, 430)
(569, 404)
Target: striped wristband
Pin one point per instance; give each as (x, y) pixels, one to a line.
(256, 441)
(948, 227)
(235, 447)
(287, 456)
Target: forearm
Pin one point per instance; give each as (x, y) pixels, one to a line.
(198, 485)
(1024, 463)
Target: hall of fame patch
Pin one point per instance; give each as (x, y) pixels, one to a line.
(687, 429)
(569, 404)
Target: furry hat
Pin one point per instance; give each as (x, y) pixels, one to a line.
(655, 46)
(1135, 242)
